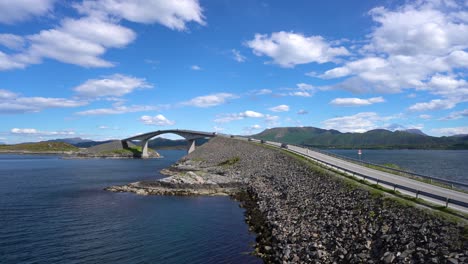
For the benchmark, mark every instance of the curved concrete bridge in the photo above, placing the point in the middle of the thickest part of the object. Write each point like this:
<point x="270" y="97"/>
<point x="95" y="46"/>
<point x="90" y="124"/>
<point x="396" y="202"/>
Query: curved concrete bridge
<point x="189" y="135"/>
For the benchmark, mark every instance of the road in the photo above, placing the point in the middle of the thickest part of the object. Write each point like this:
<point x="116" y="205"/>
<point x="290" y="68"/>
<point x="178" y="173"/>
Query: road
<point x="402" y="184"/>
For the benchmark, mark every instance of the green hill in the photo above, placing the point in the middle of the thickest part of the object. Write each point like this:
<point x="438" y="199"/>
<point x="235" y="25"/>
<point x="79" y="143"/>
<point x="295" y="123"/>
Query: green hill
<point x="39" y="147"/>
<point x="378" y="138"/>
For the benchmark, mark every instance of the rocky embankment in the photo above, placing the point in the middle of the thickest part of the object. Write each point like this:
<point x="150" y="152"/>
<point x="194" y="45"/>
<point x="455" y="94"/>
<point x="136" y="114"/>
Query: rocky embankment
<point x="303" y="214"/>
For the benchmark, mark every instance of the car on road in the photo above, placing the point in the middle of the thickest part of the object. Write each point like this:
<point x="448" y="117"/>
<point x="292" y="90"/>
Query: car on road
<point x="284" y="145"/>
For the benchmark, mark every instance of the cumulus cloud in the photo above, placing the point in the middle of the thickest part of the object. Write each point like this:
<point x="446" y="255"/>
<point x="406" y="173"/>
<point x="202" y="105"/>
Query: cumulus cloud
<point x="114" y="85"/>
<point x="356" y="101"/>
<point x="12" y="103"/>
<point x="360" y="122"/>
<point x="288" y="49"/>
<point x="210" y="100"/>
<point x="435" y="104"/>
<point x="11" y="41"/>
<point x="35" y="132"/>
<point x="225" y="118"/>
<point x="413" y="46"/>
<point x="238" y="56"/>
<point x="119" y="109"/>
<point x="158" y="120"/>
<point x="172" y="14"/>
<point x="250" y="129"/>
<point x="83" y="41"/>
<point x="280" y="108"/>
<point x="450" y="131"/>
<point x="272" y="120"/>
<point x="17" y="11"/>
<point x="301" y="90"/>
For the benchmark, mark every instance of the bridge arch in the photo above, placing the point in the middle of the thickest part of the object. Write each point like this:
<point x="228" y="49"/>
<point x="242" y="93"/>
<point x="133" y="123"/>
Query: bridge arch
<point x="189" y="135"/>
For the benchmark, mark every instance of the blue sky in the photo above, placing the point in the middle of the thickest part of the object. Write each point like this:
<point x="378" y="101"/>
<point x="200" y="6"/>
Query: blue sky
<point x="115" y="68"/>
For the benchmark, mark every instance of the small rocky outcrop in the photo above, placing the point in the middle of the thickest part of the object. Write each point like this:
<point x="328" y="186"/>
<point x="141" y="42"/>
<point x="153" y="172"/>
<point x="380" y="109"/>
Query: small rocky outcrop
<point x="115" y="149"/>
<point x="304" y="214"/>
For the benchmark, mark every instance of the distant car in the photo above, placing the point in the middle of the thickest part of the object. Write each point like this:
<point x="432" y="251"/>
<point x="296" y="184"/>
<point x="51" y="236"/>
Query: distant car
<point x="214" y="133"/>
<point x="262" y="141"/>
<point x="232" y="136"/>
<point x="250" y="139"/>
<point x="284" y="145"/>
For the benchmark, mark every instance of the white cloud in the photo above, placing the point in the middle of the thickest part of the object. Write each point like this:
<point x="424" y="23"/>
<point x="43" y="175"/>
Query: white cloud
<point x="225" y="118"/>
<point x="302" y="90"/>
<point x="356" y="101"/>
<point x="238" y="56"/>
<point x="272" y="120"/>
<point x="158" y="120"/>
<point x="302" y="112"/>
<point x="196" y="68"/>
<point x="35" y="132"/>
<point x="360" y="122"/>
<point x="456" y="115"/>
<point x="218" y="129"/>
<point x="289" y="49"/>
<point x="435" y="104"/>
<point x="12" y="41"/>
<point x="114" y="85"/>
<point x="425" y="117"/>
<point x="21" y="10"/>
<point x="85" y="40"/>
<point x="280" y="108"/>
<point x="262" y="92"/>
<point x="120" y="109"/>
<point x="210" y="100"/>
<point x="301" y="94"/>
<point x="249" y="130"/>
<point x="172" y="14"/>
<point x="253" y="114"/>
<point x="11" y="103"/>
<point x="420" y="45"/>
<point x="450" y="131"/>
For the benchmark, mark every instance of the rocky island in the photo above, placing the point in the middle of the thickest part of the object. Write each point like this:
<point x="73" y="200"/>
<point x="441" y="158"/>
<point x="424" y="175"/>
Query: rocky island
<point x="304" y="214"/>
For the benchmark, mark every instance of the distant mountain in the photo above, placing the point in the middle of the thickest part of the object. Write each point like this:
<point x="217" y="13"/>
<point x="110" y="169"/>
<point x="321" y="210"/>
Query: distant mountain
<point x="71" y="141"/>
<point x="39" y="147"/>
<point x="377" y="138"/>
<point x="415" y="131"/>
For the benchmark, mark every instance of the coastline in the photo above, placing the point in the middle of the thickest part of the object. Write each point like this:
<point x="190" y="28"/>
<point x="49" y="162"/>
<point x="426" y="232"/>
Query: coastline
<point x="304" y="214"/>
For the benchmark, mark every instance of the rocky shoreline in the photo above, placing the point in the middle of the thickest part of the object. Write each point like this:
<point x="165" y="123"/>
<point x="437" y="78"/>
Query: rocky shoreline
<point x="303" y="214"/>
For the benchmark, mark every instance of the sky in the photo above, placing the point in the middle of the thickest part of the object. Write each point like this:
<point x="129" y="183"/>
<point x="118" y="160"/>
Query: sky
<point x="110" y="69"/>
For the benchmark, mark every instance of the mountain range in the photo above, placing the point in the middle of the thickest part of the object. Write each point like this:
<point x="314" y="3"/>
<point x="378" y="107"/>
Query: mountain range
<point x="377" y="138"/>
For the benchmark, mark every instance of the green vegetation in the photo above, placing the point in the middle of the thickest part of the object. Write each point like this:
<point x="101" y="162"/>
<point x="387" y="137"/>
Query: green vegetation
<point x="374" y="139"/>
<point x="40" y="147"/>
<point x="229" y="162"/>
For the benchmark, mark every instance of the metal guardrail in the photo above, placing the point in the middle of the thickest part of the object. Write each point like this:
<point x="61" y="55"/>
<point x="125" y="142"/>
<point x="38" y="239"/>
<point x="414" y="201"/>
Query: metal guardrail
<point x="431" y="178"/>
<point x="444" y="199"/>
<point x="447" y="200"/>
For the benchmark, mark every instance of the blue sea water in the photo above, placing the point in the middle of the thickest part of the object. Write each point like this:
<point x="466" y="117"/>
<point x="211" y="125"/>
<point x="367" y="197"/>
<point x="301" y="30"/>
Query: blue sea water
<point x="55" y="210"/>
<point x="446" y="164"/>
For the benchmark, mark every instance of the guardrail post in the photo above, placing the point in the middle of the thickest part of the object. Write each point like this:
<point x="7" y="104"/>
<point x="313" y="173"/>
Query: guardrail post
<point x="394" y="187"/>
<point x="417" y="194"/>
<point x="447" y="202"/>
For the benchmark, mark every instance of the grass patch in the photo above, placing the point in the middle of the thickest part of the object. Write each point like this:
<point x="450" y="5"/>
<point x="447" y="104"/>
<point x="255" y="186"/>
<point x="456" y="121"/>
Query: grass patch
<point x="229" y="162"/>
<point x="39" y="147"/>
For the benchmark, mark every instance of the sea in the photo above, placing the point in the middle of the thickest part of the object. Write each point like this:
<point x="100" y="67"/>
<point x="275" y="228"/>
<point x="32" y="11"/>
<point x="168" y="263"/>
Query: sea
<point x="54" y="210"/>
<point x="446" y="164"/>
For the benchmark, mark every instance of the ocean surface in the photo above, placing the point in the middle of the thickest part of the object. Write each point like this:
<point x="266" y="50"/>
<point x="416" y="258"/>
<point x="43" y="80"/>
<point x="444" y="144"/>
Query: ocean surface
<point x="55" y="210"/>
<point x="447" y="164"/>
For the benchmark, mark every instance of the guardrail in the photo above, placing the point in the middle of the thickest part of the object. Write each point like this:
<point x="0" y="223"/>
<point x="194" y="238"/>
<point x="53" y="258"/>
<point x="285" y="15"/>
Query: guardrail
<point x="431" y="178"/>
<point x="444" y="199"/>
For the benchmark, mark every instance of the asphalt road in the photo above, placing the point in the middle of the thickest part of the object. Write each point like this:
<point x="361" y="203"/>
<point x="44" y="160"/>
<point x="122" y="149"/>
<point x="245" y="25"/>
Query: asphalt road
<point x="383" y="176"/>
